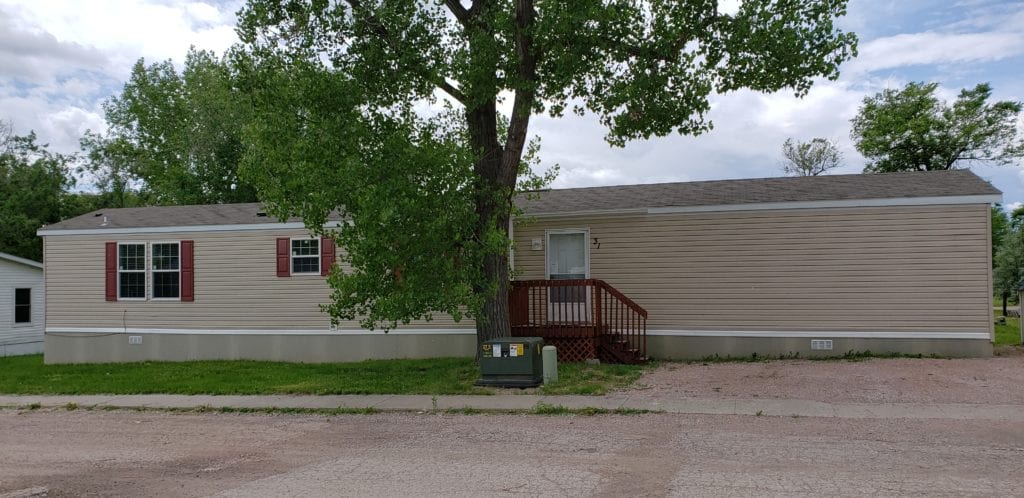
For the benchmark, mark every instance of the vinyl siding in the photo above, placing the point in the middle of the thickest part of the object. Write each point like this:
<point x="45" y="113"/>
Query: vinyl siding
<point x="236" y="287"/>
<point x="919" y="268"/>
<point x="18" y="276"/>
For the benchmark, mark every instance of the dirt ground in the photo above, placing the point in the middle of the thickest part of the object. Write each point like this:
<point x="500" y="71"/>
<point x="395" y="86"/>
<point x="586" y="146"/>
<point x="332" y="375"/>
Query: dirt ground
<point x="998" y="380"/>
<point x="125" y="453"/>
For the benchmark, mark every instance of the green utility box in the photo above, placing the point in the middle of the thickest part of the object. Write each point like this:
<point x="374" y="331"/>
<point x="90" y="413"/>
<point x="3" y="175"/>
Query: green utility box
<point x="511" y="362"/>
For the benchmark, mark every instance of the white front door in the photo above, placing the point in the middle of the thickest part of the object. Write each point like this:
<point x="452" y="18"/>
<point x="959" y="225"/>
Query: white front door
<point x="568" y="259"/>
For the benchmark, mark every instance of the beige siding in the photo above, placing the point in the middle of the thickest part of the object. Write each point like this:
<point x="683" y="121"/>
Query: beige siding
<point x="236" y="287"/>
<point x="20" y="338"/>
<point x="911" y="268"/>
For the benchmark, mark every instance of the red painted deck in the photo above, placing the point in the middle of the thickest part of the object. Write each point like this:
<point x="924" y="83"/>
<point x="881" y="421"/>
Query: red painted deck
<point x="584" y="319"/>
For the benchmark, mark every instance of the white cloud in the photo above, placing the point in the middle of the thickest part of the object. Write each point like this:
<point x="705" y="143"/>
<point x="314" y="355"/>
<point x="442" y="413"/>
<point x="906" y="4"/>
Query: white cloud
<point x="912" y="49"/>
<point x="60" y="58"/>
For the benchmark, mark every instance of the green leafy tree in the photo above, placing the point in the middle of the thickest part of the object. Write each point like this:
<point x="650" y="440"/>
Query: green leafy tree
<point x="33" y="184"/>
<point x="1000" y="229"/>
<point x="912" y="130"/>
<point x="1008" y="274"/>
<point x="810" y="158"/>
<point x="348" y="128"/>
<point x="173" y="138"/>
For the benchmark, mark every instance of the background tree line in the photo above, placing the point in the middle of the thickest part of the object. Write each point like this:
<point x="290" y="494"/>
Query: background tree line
<point x="315" y="111"/>
<point x="911" y="129"/>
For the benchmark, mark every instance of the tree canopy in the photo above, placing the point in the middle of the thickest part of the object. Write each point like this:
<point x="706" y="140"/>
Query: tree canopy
<point x="912" y="130"/>
<point x="173" y="138"/>
<point x="33" y="192"/>
<point x="352" y="120"/>
<point x="810" y="158"/>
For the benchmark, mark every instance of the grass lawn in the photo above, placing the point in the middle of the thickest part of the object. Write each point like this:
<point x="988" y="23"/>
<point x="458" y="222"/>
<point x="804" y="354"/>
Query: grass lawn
<point x="1008" y="334"/>
<point x="28" y="375"/>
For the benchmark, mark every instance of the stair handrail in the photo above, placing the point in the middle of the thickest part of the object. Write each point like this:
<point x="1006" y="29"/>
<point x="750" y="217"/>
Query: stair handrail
<point x="621" y="297"/>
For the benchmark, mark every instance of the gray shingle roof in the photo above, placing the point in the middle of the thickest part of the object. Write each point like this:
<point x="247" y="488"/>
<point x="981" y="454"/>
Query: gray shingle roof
<point x="761" y="190"/>
<point x="170" y="216"/>
<point x="687" y="194"/>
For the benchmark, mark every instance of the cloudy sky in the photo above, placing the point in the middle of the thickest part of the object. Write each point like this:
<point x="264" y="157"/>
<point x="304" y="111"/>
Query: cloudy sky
<point x="59" y="59"/>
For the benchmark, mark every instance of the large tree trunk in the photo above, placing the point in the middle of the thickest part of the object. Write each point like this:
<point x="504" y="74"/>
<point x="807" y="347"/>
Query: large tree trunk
<point x="494" y="192"/>
<point x="497" y="166"/>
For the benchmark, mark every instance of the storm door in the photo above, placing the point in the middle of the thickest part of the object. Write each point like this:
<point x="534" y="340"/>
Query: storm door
<point x="568" y="259"/>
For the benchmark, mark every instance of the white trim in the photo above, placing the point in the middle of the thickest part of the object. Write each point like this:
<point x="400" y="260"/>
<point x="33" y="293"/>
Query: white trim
<point x="325" y="331"/>
<point x="589" y="212"/>
<point x="849" y="203"/>
<point x="178" y="229"/>
<point x="567" y="231"/>
<point x="16" y="259"/>
<point x="15" y="324"/>
<point x="409" y="331"/>
<point x="821" y="334"/>
<point x="767" y="206"/>
<point x="144" y="271"/>
<point x="151" y="292"/>
<point x="291" y="258"/>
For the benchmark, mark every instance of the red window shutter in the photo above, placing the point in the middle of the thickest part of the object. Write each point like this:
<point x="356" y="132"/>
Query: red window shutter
<point x="187" y="271"/>
<point x="326" y="255"/>
<point x="111" y="271"/>
<point x="283" y="258"/>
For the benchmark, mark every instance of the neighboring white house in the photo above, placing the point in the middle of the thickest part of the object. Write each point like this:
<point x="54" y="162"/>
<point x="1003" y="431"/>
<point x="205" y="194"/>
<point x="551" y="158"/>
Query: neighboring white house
<point x="21" y="306"/>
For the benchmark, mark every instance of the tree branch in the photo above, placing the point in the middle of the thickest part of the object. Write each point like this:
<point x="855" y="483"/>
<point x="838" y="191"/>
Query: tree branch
<point x="526" y="94"/>
<point x="450" y="89"/>
<point x="460" y="12"/>
<point x="381" y="31"/>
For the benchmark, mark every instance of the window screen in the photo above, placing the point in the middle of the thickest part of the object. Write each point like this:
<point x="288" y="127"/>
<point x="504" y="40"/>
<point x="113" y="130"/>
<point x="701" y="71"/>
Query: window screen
<point x="306" y="256"/>
<point x="131" y="271"/>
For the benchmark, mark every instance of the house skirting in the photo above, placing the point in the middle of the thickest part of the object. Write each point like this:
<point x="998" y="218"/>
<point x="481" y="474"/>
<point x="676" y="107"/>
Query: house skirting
<point x="21" y="348"/>
<point x="295" y="346"/>
<point x="695" y="347"/>
<point x="97" y="345"/>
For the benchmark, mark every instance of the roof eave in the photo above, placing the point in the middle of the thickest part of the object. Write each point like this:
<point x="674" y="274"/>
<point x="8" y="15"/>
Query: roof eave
<point x="766" y="206"/>
<point x="20" y="260"/>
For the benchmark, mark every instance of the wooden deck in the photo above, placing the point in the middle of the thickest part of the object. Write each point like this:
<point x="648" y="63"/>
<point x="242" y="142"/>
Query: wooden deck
<point x="584" y="319"/>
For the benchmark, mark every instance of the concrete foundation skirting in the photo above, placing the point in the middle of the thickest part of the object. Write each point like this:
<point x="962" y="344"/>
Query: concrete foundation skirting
<point x="343" y="347"/>
<point x="22" y="348"/>
<point x="314" y="348"/>
<point x="695" y="348"/>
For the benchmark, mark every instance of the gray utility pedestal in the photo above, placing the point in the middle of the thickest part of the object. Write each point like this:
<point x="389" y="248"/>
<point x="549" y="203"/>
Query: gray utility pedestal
<point x="511" y="362"/>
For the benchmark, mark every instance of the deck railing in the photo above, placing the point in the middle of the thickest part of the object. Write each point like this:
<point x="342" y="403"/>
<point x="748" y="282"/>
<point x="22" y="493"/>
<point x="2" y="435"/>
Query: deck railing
<point x="585" y="309"/>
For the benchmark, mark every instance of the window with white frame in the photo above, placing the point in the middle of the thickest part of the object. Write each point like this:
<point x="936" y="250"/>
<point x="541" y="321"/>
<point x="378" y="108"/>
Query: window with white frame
<point x="131" y="271"/>
<point x="22" y="305"/>
<point x="305" y="256"/>
<point x="166" y="270"/>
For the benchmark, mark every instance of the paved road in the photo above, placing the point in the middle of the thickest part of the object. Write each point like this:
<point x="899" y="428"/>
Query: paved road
<point x="73" y="453"/>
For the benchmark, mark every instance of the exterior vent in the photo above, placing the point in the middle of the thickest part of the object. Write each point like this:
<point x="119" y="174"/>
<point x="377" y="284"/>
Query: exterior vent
<point x="821" y="344"/>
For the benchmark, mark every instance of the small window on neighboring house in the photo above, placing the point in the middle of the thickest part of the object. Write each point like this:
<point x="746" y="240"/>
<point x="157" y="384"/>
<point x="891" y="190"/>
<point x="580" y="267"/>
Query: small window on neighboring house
<point x="305" y="256"/>
<point x="166" y="270"/>
<point x="131" y="271"/>
<point x="22" y="305"/>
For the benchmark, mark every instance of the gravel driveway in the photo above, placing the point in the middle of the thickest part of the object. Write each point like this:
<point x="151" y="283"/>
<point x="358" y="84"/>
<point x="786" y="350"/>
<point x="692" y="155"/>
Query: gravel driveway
<point x="60" y="453"/>
<point x="54" y="452"/>
<point x="998" y="380"/>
